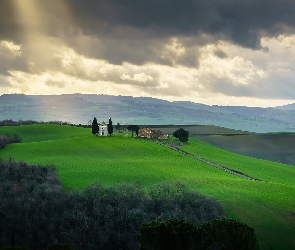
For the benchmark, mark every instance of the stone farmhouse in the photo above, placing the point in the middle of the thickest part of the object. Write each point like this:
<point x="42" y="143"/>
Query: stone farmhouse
<point x="151" y="133"/>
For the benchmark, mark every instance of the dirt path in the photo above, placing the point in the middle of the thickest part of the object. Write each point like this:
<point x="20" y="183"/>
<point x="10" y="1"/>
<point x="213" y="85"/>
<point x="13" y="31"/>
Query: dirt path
<point x="228" y="170"/>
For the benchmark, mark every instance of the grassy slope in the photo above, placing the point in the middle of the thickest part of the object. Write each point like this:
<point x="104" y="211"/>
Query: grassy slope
<point x="82" y="159"/>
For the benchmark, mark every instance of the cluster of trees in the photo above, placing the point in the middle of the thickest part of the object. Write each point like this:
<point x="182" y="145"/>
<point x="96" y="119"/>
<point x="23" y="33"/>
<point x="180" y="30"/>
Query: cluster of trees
<point x="95" y="126"/>
<point x="35" y="212"/>
<point x="8" y="139"/>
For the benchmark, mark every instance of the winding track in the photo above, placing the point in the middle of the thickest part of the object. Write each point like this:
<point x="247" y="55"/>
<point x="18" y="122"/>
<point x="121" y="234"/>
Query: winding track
<point x="228" y="170"/>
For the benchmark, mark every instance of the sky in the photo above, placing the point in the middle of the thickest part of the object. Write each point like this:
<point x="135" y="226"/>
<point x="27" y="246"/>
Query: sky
<point x="224" y="52"/>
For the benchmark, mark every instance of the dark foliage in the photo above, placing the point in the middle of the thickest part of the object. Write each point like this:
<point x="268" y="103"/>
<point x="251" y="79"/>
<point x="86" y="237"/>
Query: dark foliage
<point x="172" y="234"/>
<point x="8" y="139"/>
<point x="181" y="134"/>
<point x="175" y="234"/>
<point x="118" y="126"/>
<point x="12" y="248"/>
<point x="133" y="128"/>
<point x="59" y="246"/>
<point x="30" y="122"/>
<point x="227" y="234"/>
<point x="110" y="127"/>
<point x="94" y="126"/>
<point x="38" y="213"/>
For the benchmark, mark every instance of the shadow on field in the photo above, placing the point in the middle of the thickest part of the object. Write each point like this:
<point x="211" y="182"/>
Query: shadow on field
<point x="279" y="147"/>
<point x="272" y="147"/>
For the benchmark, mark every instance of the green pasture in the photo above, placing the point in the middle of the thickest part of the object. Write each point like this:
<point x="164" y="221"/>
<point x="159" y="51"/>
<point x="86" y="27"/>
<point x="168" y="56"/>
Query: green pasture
<point x="82" y="158"/>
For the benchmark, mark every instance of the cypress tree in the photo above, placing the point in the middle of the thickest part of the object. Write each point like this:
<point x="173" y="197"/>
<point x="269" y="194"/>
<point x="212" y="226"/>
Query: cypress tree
<point x="110" y="127"/>
<point x="94" y="126"/>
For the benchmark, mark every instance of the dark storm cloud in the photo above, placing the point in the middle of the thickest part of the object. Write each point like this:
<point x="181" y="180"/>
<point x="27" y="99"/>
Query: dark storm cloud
<point x="138" y="31"/>
<point x="234" y="20"/>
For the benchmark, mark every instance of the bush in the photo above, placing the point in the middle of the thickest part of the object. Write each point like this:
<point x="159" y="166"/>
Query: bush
<point x="59" y="246"/>
<point x="172" y="234"/>
<point x="8" y="139"/>
<point x="227" y="234"/>
<point x="175" y="234"/>
<point x="12" y="248"/>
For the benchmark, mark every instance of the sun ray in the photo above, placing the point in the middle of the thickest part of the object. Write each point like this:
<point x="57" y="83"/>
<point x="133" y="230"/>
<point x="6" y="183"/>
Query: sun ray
<point x="29" y="16"/>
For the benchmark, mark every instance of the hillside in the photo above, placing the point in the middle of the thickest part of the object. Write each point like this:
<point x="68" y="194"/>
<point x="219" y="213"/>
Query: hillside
<point x="80" y="108"/>
<point x="82" y="158"/>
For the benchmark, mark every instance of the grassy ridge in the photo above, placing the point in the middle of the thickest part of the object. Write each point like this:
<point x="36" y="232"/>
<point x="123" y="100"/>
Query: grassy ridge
<point x="82" y="158"/>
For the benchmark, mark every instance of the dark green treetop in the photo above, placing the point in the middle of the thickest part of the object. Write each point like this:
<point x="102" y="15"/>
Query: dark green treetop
<point x="110" y="127"/>
<point x="181" y="134"/>
<point x="94" y="126"/>
<point x="133" y="128"/>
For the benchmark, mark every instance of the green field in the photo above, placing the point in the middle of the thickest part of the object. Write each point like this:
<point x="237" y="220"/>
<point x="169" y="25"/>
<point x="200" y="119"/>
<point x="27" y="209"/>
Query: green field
<point x="82" y="158"/>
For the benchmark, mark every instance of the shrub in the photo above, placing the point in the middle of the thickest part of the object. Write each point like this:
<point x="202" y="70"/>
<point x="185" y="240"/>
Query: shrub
<point x="175" y="234"/>
<point x="59" y="246"/>
<point x="227" y="234"/>
<point x="8" y="139"/>
<point x="172" y="234"/>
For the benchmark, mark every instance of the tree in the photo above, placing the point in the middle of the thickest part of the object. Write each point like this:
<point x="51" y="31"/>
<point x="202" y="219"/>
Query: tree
<point x="181" y="134"/>
<point x="133" y="128"/>
<point x="227" y="234"/>
<point x="118" y="126"/>
<point x="94" y="126"/>
<point x="110" y="127"/>
<point x="173" y="234"/>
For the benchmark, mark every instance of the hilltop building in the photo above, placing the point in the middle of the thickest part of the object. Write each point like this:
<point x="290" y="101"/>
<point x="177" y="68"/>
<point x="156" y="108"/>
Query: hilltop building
<point x="102" y="129"/>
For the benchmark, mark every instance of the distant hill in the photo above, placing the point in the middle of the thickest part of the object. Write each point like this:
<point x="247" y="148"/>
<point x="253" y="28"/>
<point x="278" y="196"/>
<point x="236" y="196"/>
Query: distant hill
<point x="286" y="107"/>
<point x="81" y="108"/>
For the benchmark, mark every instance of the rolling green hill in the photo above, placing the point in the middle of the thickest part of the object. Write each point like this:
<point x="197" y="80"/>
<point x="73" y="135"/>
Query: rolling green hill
<point x="82" y="158"/>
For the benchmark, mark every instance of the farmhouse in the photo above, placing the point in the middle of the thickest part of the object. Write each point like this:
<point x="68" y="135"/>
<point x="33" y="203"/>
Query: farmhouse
<point x="151" y="133"/>
<point x="102" y="129"/>
<point x="146" y="133"/>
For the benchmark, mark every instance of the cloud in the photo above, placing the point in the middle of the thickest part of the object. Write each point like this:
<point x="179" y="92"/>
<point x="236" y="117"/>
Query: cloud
<point x="239" y="21"/>
<point x="192" y="49"/>
<point x="11" y="58"/>
<point x="140" y="78"/>
<point x="59" y="84"/>
<point x="4" y="83"/>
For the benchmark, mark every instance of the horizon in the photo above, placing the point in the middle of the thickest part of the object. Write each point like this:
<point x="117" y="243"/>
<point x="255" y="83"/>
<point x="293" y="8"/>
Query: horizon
<point x="212" y="105"/>
<point x="218" y="53"/>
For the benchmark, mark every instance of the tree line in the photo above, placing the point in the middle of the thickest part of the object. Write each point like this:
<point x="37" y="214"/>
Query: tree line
<point x="30" y="122"/>
<point x="8" y="139"/>
<point x="36" y="212"/>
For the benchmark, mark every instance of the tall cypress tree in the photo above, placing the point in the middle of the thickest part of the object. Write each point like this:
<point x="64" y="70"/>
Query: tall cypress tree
<point x="110" y="127"/>
<point x="94" y="126"/>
